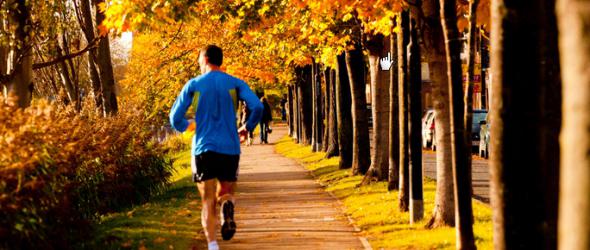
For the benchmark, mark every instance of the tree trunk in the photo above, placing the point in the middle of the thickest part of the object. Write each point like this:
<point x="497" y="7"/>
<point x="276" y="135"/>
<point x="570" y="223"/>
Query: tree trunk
<point x="444" y="209"/>
<point x="415" y="118"/>
<point x="526" y="109"/>
<point x="344" y="113"/>
<point x="87" y="26"/>
<point x="404" y="171"/>
<point x="290" y="110"/>
<point x="109" y="97"/>
<point x="21" y="85"/>
<point x="326" y="105"/>
<point x="380" y="99"/>
<point x="4" y="50"/>
<point x="460" y="150"/>
<point x="361" y="151"/>
<point x="393" y="159"/>
<point x="66" y="72"/>
<point x="333" y="146"/>
<point x="296" y="114"/>
<point x="314" y="108"/>
<point x="317" y="135"/>
<point x="574" y="202"/>
<point x="468" y="112"/>
<point x="305" y="104"/>
<point x="298" y="109"/>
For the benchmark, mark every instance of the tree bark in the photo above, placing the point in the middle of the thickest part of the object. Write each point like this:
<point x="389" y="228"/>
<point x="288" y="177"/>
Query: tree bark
<point x="4" y="55"/>
<point x="290" y="110"/>
<point x="415" y="118"/>
<point x="21" y="85"/>
<point x="404" y="171"/>
<point x="317" y="121"/>
<point x="444" y="209"/>
<point x="460" y="150"/>
<point x="333" y="146"/>
<point x="344" y="113"/>
<point x="526" y="109"/>
<point x="109" y="97"/>
<point x="468" y="112"/>
<point x="361" y="151"/>
<point x="393" y="159"/>
<point x="296" y="109"/>
<point x="574" y="202"/>
<point x="380" y="98"/>
<point x="326" y="108"/>
<point x="86" y="24"/>
<point x="305" y="104"/>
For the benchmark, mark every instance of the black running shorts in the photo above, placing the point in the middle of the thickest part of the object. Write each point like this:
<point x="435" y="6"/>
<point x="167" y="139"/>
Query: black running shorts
<point x="210" y="165"/>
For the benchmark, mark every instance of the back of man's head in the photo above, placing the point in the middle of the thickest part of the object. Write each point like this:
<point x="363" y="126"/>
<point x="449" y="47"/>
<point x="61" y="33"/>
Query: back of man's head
<point x="214" y="54"/>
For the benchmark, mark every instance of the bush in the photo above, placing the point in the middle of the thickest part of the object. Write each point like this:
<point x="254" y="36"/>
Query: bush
<point x="60" y="170"/>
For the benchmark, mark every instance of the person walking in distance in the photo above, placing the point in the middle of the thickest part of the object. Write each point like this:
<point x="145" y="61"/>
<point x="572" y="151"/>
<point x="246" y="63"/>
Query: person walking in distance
<point x="215" y="146"/>
<point x="265" y="121"/>
<point x="243" y="120"/>
<point x="284" y="108"/>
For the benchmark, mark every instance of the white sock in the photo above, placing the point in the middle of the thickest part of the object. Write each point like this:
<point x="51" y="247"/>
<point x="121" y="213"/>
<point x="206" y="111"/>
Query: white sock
<point x="213" y="245"/>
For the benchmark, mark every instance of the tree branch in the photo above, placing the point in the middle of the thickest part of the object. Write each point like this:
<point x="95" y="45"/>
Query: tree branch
<point x="90" y="46"/>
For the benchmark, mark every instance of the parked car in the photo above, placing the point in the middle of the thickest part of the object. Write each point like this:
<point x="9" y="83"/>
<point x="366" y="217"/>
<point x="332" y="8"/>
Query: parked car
<point x="428" y="129"/>
<point x="484" y="139"/>
<point x="479" y="115"/>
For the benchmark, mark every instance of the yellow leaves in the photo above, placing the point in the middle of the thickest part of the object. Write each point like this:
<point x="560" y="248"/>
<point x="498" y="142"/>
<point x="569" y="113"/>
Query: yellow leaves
<point x="263" y="10"/>
<point x="347" y="17"/>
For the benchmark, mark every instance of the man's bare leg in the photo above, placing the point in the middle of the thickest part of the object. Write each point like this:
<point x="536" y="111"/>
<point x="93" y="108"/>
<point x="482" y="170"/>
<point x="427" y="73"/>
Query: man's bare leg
<point x="207" y="189"/>
<point x="225" y="191"/>
<point x="226" y="201"/>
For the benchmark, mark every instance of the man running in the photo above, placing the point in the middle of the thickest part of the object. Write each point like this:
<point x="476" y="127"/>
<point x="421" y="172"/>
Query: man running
<point x="215" y="146"/>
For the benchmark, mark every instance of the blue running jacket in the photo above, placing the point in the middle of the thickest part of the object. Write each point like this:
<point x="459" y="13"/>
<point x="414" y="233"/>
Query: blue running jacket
<point x="215" y="96"/>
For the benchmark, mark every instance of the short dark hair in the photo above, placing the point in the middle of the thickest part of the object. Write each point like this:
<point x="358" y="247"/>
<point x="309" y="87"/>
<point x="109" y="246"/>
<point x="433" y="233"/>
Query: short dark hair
<point x="214" y="54"/>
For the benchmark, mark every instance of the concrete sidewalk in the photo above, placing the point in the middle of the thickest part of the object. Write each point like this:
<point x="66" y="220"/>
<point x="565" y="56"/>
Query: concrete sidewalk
<point x="280" y="206"/>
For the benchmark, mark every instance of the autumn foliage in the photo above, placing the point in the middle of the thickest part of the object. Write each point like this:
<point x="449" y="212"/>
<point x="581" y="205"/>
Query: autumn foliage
<point x="60" y="170"/>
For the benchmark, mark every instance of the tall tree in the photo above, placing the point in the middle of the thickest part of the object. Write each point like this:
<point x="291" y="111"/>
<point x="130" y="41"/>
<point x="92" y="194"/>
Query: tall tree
<point x="4" y="50"/>
<point x="21" y="80"/>
<point x="304" y="104"/>
<point x="290" y="110"/>
<point x="107" y="78"/>
<point x="404" y="171"/>
<point x="296" y="108"/>
<point x="85" y="20"/>
<point x="344" y="112"/>
<point x="379" y="168"/>
<point x="415" y="125"/>
<point x="460" y="150"/>
<point x="361" y="151"/>
<point x="574" y="201"/>
<point x="317" y="121"/>
<point x="326" y="107"/>
<point x="332" y="142"/>
<point x="434" y="50"/>
<point x="468" y="100"/>
<point x="393" y="159"/>
<point x="525" y="108"/>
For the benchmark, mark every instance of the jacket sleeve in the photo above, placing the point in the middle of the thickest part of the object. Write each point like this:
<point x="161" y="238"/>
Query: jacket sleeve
<point x="181" y="105"/>
<point x="254" y="105"/>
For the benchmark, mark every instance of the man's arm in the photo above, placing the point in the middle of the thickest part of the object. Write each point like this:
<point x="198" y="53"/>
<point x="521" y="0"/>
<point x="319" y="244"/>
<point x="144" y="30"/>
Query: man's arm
<point x="254" y="105"/>
<point x="183" y="102"/>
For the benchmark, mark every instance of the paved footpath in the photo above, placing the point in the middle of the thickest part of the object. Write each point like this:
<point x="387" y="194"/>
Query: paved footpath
<point x="280" y="206"/>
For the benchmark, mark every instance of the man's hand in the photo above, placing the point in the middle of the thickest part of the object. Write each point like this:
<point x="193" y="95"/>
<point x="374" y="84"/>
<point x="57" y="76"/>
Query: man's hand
<point x="191" y="126"/>
<point x="243" y="133"/>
